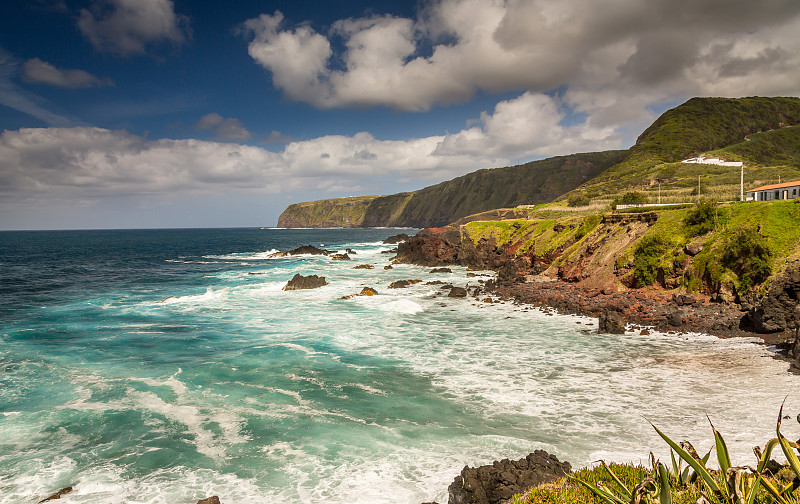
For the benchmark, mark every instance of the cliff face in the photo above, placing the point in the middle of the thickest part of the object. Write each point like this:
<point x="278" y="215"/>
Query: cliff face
<point x="339" y="212"/>
<point x="480" y="191"/>
<point x="614" y="253"/>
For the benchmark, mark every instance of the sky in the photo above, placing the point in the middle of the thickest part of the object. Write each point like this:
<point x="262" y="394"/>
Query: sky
<point x="200" y="113"/>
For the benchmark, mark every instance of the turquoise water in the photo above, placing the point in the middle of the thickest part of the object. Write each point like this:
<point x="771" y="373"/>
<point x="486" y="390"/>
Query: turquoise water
<point x="166" y="366"/>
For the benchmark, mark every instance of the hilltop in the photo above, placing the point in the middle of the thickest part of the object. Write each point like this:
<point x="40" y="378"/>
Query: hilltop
<point x="764" y="133"/>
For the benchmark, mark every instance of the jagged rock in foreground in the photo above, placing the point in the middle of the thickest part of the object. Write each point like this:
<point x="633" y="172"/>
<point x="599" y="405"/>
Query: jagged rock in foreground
<point x="498" y="482"/>
<point x="305" y="282"/>
<point x="210" y="500"/>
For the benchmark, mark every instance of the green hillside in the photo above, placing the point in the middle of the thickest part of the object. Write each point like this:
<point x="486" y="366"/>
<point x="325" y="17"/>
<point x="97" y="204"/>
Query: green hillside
<point x="764" y="133"/>
<point x="530" y="183"/>
<point x="715" y="127"/>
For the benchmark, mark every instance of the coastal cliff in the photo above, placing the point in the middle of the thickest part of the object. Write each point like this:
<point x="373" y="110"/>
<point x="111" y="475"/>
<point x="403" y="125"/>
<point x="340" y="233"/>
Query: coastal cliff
<point x="530" y="183"/>
<point x="739" y="275"/>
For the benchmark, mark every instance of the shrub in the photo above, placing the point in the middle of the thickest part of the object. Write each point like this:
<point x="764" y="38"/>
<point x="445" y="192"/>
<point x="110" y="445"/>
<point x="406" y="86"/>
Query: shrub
<point x="646" y="259"/>
<point x="702" y="218"/>
<point x="629" y="198"/>
<point x="578" y="200"/>
<point x="747" y="254"/>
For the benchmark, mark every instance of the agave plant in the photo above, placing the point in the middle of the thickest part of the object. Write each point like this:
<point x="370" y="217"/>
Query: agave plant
<point x="729" y="485"/>
<point x="655" y="485"/>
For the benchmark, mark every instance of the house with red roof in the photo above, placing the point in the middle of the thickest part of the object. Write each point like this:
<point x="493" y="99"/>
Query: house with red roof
<point x="772" y="192"/>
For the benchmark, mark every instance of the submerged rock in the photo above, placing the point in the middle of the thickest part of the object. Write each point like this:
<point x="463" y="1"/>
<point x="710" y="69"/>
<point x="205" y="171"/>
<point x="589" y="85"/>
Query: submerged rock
<point x="457" y="292"/>
<point x="363" y="266"/>
<point x="610" y="322"/>
<point x="366" y="291"/>
<point x="305" y="282"/>
<point x="441" y="270"/>
<point x="498" y="482"/>
<point x="58" y="494"/>
<point x="402" y="284"/>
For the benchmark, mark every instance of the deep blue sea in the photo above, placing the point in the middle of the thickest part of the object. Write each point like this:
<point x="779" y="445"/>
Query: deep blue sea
<point x="165" y="366"/>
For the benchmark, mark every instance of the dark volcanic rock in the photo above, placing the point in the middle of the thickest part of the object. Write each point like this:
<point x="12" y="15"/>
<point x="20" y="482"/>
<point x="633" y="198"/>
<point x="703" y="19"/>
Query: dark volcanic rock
<point x="305" y="249"/>
<point x="340" y="257"/>
<point x="58" y="494"/>
<point x="210" y="500"/>
<point x="775" y="311"/>
<point x="396" y="239"/>
<point x="305" y="282"/>
<point x="431" y="247"/>
<point x="402" y="284"/>
<point x="388" y="266"/>
<point x="457" y="292"/>
<point x="610" y="322"/>
<point x="363" y="266"/>
<point x="492" y="484"/>
<point x="366" y="291"/>
<point x="441" y="270"/>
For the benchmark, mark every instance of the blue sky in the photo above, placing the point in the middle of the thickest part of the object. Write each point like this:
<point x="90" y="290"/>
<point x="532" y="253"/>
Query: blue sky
<point x="160" y="113"/>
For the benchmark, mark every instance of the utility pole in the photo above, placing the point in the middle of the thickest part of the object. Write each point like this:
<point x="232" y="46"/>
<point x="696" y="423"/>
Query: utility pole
<point x="698" y="188"/>
<point x="741" y="185"/>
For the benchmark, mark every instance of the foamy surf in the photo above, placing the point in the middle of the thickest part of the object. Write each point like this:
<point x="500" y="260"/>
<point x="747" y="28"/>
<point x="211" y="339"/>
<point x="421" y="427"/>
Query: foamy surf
<point x="233" y="387"/>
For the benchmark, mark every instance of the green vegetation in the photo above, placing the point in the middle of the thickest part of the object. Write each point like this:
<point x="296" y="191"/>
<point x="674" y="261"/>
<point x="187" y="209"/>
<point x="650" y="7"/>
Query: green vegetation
<point x="780" y="147"/>
<point x="747" y="254"/>
<point x="578" y="200"/>
<point x="651" y="168"/>
<point x="702" y="218"/>
<point x="647" y="258"/>
<point x="716" y="127"/>
<point x="623" y="484"/>
<point x="530" y="183"/>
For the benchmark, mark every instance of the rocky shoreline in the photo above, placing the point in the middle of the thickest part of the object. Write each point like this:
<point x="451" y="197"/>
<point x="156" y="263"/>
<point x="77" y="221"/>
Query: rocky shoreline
<point x="771" y="317"/>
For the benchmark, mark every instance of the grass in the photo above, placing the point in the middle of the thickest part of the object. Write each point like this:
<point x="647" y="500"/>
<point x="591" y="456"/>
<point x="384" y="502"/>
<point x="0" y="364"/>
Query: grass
<point x="684" y="479"/>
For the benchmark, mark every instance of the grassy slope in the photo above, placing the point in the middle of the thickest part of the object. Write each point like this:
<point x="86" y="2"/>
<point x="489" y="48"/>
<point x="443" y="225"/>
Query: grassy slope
<point x="706" y="125"/>
<point x="531" y="183"/>
<point x="717" y="126"/>
<point x="339" y="212"/>
<point x="534" y="182"/>
<point x="566" y="239"/>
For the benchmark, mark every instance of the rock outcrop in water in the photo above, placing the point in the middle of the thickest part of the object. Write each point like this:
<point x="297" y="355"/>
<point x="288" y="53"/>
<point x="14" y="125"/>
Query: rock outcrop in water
<point x="302" y="250"/>
<point x="498" y="482"/>
<point x="305" y="282"/>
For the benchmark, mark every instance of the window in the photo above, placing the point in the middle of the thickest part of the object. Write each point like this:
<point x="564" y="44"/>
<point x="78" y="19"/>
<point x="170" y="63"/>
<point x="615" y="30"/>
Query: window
<point x="777" y="195"/>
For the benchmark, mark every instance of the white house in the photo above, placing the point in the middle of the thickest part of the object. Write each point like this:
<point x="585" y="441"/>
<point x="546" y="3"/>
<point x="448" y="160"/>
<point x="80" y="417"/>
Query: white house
<point x="711" y="161"/>
<point x="771" y="192"/>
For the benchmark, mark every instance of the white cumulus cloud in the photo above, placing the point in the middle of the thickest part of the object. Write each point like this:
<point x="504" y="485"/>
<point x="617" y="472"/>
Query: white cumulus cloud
<point x="609" y="58"/>
<point x="127" y="26"/>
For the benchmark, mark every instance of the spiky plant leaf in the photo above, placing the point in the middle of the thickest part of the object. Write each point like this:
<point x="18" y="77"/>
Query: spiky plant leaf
<point x="664" y="494"/>
<point x="604" y="495"/>
<point x="697" y="465"/>
<point x="723" y="456"/>
<point x="623" y="490"/>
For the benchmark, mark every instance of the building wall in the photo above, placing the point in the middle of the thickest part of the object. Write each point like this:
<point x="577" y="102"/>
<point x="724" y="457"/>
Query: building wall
<point x="775" y="194"/>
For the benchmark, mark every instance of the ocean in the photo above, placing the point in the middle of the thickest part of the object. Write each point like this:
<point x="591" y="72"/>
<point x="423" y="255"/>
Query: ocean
<point x="166" y="366"/>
